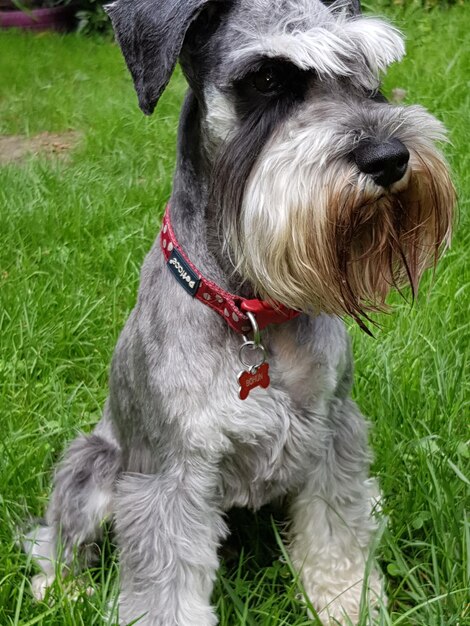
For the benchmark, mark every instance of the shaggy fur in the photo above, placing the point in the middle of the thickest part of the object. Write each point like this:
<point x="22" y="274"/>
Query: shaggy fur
<point x="271" y="197"/>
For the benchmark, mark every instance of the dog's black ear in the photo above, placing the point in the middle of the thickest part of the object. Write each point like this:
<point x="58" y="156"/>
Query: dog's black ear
<point x="151" y="34"/>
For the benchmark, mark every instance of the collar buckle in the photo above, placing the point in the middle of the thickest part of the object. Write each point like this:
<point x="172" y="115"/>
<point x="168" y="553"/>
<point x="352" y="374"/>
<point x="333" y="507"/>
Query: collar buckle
<point x="267" y="313"/>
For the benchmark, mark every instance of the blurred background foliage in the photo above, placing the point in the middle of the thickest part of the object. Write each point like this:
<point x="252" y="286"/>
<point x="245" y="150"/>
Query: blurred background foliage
<point x="92" y="18"/>
<point x="375" y="5"/>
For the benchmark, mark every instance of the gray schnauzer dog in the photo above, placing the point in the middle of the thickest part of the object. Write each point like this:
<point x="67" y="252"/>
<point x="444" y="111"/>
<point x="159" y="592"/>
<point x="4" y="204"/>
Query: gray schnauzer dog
<point x="300" y="189"/>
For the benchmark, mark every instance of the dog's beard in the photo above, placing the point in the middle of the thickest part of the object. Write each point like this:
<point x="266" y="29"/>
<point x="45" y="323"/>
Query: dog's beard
<point x="325" y="238"/>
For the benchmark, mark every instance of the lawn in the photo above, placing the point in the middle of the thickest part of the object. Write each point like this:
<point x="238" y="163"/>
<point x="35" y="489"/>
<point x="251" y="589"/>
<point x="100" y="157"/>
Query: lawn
<point x="76" y="221"/>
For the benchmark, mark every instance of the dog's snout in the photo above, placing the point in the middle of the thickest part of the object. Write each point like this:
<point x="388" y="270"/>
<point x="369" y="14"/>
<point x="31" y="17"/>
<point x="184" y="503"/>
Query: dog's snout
<point x="386" y="162"/>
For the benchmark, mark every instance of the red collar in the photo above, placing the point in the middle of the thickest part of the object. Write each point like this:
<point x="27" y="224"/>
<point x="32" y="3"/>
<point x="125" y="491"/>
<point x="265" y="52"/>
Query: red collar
<point x="232" y="308"/>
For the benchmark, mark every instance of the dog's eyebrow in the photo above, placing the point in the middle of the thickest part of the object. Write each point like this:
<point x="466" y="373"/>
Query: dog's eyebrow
<point x="256" y="62"/>
<point x="360" y="48"/>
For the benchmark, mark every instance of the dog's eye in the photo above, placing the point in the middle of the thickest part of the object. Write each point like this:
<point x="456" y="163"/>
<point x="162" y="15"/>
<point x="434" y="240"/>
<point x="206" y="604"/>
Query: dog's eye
<point x="267" y="80"/>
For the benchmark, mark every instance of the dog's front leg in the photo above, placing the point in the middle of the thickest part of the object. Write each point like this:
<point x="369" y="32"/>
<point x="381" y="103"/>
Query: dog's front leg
<point x="332" y="526"/>
<point x="168" y="529"/>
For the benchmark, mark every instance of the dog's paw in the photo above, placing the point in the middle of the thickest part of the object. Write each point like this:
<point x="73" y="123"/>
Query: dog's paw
<point x="339" y="606"/>
<point x="40" y="584"/>
<point x="74" y="588"/>
<point x="341" y="616"/>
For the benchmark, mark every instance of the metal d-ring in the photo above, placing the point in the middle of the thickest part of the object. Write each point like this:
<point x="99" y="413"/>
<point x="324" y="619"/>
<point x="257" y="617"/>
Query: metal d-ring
<point x="252" y="344"/>
<point x="254" y="328"/>
<point x="252" y="367"/>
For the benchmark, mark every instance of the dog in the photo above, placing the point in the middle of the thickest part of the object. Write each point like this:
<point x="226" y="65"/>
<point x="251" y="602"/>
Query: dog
<point x="300" y="196"/>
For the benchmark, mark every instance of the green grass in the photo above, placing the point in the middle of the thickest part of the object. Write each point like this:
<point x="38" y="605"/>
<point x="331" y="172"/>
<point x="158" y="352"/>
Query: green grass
<point x="73" y="235"/>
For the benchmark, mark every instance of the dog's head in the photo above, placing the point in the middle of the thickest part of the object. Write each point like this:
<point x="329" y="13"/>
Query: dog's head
<point x="329" y="195"/>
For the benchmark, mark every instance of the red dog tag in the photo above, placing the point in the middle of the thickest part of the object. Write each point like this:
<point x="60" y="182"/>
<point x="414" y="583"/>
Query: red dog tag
<point x="249" y="380"/>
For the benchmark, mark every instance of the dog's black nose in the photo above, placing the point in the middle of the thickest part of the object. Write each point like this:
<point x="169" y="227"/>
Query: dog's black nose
<point x="385" y="162"/>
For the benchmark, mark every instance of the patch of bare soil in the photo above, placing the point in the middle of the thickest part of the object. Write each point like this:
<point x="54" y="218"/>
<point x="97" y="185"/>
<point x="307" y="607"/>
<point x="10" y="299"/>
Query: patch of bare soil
<point x="398" y="95"/>
<point x="14" y="148"/>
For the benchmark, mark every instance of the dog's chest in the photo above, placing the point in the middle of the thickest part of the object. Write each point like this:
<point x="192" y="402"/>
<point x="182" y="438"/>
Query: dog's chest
<point x="264" y="445"/>
<point x="276" y="434"/>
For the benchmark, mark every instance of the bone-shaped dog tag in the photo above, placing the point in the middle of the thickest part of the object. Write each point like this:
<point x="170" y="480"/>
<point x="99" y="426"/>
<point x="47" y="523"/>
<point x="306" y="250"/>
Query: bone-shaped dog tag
<point x="256" y="377"/>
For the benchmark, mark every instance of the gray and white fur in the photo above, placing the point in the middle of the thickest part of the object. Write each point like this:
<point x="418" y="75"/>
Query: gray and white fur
<point x="277" y="193"/>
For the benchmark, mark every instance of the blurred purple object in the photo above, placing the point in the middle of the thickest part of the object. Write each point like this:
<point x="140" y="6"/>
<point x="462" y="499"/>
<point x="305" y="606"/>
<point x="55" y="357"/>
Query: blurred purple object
<point x="54" y="18"/>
